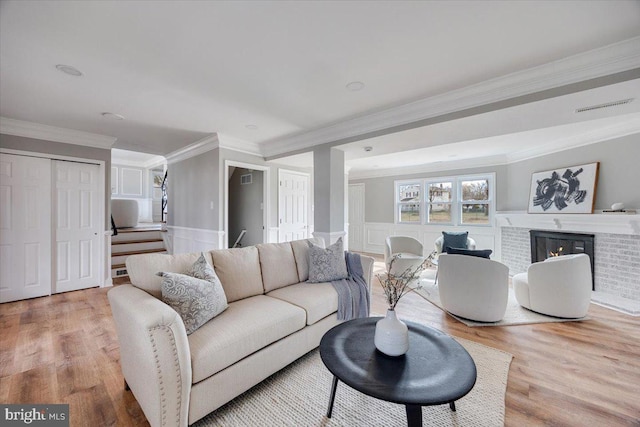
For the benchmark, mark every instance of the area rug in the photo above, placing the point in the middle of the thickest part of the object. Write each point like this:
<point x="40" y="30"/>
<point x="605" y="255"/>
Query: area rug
<point x="298" y="396"/>
<point x="515" y="315"/>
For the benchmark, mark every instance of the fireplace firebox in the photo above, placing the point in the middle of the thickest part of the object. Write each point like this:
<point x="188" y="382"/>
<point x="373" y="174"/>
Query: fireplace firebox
<point x="545" y="244"/>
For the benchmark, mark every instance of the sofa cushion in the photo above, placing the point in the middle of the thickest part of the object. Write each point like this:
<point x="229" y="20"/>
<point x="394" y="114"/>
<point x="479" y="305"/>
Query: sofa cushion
<point x="245" y="327"/>
<point x="239" y="272"/>
<point x="319" y="300"/>
<point x="327" y="264"/>
<point x="278" y="265"/>
<point x="142" y="269"/>
<point x="196" y="300"/>
<point x="301" y="253"/>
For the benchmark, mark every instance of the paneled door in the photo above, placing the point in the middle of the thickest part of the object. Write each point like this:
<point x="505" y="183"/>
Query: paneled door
<point x="25" y="227"/>
<point x="356" y="217"/>
<point x="293" y="206"/>
<point x="77" y="229"/>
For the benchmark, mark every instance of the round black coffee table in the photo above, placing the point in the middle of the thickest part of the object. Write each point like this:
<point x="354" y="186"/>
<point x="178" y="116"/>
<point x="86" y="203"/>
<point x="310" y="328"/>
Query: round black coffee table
<point x="436" y="370"/>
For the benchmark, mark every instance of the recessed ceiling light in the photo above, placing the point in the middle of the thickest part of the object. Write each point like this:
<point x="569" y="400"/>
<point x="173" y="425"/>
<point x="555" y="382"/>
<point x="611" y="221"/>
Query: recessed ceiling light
<point x="112" y="116"/>
<point x="355" y="86"/>
<point x="252" y="127"/>
<point x="68" y="69"/>
<point x="368" y="148"/>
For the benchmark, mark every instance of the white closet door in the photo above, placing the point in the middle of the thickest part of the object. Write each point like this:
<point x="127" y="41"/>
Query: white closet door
<point x="293" y="204"/>
<point x="25" y="227"/>
<point x="77" y="226"/>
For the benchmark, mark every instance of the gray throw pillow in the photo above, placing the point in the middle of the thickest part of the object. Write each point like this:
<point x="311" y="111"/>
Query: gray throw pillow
<point x="202" y="270"/>
<point x="197" y="301"/>
<point x="454" y="240"/>
<point x="327" y="264"/>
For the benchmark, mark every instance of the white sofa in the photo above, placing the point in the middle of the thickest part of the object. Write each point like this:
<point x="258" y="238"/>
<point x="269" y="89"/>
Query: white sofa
<point x="273" y="318"/>
<point x="558" y="286"/>
<point x="472" y="287"/>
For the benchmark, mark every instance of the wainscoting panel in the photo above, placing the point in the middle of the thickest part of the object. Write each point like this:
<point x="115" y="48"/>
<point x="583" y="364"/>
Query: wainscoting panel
<point x="377" y="232"/>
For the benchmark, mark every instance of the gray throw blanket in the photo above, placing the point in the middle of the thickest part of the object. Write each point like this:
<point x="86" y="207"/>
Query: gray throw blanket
<point x="353" y="292"/>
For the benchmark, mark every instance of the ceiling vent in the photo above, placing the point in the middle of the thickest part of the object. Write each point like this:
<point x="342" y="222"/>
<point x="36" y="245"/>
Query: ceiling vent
<point x="605" y="105"/>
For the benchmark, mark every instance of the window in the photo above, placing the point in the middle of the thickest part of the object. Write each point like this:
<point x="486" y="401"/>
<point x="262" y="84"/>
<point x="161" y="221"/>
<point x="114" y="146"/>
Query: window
<point x="474" y="203"/>
<point x="460" y="200"/>
<point x="439" y="199"/>
<point x="408" y="202"/>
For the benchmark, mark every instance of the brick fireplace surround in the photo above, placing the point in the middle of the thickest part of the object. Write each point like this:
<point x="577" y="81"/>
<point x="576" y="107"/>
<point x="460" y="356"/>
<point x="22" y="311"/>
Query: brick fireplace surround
<point x="617" y="250"/>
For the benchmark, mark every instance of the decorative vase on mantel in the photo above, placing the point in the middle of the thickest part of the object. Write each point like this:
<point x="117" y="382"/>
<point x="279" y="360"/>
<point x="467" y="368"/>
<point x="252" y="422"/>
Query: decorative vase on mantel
<point x="392" y="335"/>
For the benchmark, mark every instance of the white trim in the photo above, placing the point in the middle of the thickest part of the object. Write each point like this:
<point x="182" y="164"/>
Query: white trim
<point x="201" y="146"/>
<point x="592" y="223"/>
<point x="377" y="232"/>
<point x="239" y="145"/>
<point x="266" y="186"/>
<point x="456" y="199"/>
<point x="616" y="131"/>
<point x="611" y="59"/>
<point x="52" y="133"/>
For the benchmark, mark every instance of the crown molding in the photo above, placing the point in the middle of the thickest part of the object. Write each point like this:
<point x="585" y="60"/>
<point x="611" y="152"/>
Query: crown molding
<point x="239" y="145"/>
<point x="605" y="61"/>
<point x="599" y="135"/>
<point x="51" y="133"/>
<point x="630" y="127"/>
<point x="432" y="167"/>
<point x="208" y="143"/>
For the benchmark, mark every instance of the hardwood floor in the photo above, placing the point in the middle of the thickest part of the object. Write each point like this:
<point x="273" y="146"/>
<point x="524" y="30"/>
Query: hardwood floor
<point x="64" y="349"/>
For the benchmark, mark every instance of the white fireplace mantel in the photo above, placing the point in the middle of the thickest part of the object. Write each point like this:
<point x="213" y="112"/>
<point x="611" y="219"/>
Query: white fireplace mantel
<point x="586" y="223"/>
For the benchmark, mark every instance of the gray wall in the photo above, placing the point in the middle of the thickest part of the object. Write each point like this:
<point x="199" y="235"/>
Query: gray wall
<point x="192" y="185"/>
<point x="195" y="182"/>
<point x="245" y="210"/>
<point x="380" y="192"/>
<point x="70" y="150"/>
<point x="617" y="182"/>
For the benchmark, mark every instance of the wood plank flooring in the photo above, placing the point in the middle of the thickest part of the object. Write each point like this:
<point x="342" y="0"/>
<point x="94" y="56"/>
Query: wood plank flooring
<point x="64" y="349"/>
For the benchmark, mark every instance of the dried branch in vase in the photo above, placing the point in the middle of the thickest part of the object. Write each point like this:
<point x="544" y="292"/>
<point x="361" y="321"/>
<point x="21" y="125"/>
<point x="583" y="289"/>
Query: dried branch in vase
<point x="396" y="286"/>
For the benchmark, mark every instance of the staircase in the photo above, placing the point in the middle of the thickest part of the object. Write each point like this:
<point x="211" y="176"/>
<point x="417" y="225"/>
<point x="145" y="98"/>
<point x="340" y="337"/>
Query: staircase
<point x="132" y="241"/>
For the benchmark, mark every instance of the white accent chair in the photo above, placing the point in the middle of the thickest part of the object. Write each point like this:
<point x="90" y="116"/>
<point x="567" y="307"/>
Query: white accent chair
<point x="410" y="251"/>
<point x="124" y="212"/>
<point x="558" y="286"/>
<point x="472" y="287"/>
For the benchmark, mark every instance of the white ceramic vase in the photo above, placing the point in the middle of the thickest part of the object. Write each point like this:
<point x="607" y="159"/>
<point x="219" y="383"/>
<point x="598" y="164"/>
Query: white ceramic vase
<point x="392" y="335"/>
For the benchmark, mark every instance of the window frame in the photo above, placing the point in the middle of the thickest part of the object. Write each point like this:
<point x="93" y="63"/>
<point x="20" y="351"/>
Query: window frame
<point x="397" y="203"/>
<point x="456" y="199"/>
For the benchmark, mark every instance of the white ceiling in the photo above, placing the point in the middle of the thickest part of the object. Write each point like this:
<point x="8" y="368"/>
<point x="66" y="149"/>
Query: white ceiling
<point x="181" y="71"/>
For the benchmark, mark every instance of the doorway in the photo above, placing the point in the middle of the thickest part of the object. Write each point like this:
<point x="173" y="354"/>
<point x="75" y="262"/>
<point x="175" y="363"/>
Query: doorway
<point x="246" y="203"/>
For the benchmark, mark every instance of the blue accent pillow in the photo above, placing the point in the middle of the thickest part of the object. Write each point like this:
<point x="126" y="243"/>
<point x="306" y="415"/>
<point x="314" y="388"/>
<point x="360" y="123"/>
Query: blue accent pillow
<point x="454" y="240"/>
<point x="482" y="253"/>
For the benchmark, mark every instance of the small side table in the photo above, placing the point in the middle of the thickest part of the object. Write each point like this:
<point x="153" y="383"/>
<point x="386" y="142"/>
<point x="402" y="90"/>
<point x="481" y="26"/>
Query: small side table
<point x="435" y="371"/>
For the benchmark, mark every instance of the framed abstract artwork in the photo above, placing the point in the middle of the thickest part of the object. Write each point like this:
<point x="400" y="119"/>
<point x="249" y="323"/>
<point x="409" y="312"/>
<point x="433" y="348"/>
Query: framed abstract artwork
<point x="564" y="190"/>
